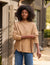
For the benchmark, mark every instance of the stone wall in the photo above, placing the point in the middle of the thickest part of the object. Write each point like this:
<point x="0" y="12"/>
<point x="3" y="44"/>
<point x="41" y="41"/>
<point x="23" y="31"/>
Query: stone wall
<point x="5" y="35"/>
<point x="46" y="42"/>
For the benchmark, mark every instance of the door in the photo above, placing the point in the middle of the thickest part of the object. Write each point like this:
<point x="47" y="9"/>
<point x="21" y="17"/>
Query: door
<point x="0" y="28"/>
<point x="0" y="32"/>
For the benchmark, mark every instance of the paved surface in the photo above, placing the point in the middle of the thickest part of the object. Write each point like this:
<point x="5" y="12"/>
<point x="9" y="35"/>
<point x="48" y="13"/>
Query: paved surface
<point x="45" y="58"/>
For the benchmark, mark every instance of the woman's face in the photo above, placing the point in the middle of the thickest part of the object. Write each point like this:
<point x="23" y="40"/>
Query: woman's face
<point x="24" y="14"/>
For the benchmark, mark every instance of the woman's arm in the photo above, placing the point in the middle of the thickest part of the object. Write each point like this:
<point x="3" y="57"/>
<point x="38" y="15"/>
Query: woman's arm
<point x="15" y="33"/>
<point x="28" y="36"/>
<point x="36" y="40"/>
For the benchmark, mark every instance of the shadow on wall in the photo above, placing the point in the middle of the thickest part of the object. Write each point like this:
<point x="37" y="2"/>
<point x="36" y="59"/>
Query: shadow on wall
<point x="25" y="1"/>
<point x="7" y="51"/>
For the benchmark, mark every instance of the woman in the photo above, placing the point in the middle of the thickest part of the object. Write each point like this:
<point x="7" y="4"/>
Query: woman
<point x="26" y="34"/>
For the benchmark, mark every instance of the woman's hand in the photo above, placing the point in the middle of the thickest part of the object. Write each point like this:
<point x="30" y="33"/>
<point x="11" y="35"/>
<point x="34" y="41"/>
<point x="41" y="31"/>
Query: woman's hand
<point x="28" y="36"/>
<point x="38" y="54"/>
<point x="38" y="50"/>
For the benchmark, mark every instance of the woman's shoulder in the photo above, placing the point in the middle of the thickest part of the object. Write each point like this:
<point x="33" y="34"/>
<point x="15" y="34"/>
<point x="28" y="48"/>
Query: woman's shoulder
<point x="33" y="23"/>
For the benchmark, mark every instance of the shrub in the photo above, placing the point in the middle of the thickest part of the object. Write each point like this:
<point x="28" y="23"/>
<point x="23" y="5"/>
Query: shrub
<point x="47" y="33"/>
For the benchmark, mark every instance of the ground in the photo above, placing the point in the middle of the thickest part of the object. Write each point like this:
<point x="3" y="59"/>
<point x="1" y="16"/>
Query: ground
<point x="45" y="58"/>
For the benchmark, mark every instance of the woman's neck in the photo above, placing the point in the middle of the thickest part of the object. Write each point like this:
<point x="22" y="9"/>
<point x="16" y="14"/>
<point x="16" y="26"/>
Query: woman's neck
<point x="25" y="21"/>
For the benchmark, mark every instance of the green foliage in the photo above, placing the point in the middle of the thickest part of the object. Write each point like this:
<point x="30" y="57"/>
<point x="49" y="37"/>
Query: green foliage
<point x="48" y="14"/>
<point x="0" y="60"/>
<point x="47" y="33"/>
<point x="48" y="2"/>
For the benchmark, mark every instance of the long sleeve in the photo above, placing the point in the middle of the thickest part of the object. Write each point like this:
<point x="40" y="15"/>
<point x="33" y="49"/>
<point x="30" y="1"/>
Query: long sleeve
<point x="35" y="32"/>
<point x="16" y="36"/>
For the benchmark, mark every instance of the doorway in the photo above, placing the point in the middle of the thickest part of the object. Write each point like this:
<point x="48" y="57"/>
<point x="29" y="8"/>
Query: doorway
<point x="1" y="29"/>
<point x="0" y="26"/>
<point x="0" y="32"/>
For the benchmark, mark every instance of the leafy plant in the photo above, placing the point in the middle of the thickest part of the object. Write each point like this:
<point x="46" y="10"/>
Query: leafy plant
<point x="47" y="33"/>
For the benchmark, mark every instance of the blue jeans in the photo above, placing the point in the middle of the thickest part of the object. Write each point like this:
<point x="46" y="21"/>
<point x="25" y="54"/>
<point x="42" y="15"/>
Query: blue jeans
<point x="28" y="57"/>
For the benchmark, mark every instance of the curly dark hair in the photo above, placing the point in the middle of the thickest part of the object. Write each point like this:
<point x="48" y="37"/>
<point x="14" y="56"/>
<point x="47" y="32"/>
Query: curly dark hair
<point x="30" y="10"/>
